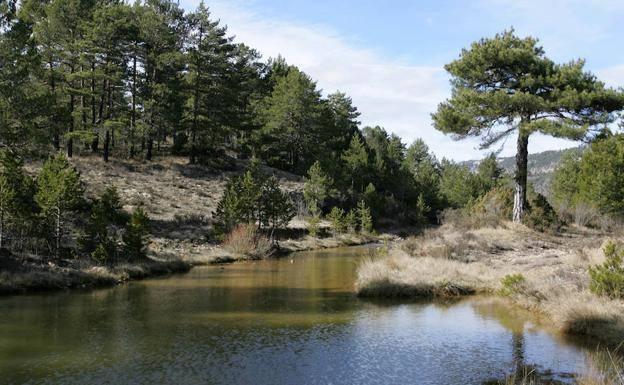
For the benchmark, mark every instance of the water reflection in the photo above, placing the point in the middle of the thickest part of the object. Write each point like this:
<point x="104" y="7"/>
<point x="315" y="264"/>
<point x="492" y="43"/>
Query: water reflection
<point x="271" y="322"/>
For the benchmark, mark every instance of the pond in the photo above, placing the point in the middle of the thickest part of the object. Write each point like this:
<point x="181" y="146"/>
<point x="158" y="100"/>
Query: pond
<point x="288" y="321"/>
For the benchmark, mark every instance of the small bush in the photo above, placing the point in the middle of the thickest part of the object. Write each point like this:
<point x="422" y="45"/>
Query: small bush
<point x="313" y="225"/>
<point x="511" y="284"/>
<point x="351" y="221"/>
<point x="365" y="218"/>
<point x="490" y="210"/>
<point x="337" y="219"/>
<point x="246" y="240"/>
<point x="136" y="236"/>
<point x="541" y="216"/>
<point x="608" y="279"/>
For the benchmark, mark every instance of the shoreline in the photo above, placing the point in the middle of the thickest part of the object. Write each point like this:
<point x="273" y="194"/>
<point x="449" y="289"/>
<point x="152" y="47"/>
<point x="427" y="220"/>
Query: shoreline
<point x="28" y="276"/>
<point x="543" y="273"/>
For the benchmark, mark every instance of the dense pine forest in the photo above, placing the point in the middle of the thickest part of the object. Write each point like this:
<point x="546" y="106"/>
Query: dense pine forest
<point x="140" y="82"/>
<point x="146" y="80"/>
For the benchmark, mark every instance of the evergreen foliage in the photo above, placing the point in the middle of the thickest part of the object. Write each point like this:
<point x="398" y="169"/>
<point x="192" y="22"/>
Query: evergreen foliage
<point x="506" y="85"/>
<point x="593" y="179"/>
<point x="338" y="221"/>
<point x="59" y="194"/>
<point x="253" y="198"/>
<point x="317" y="188"/>
<point x="105" y="221"/>
<point x="608" y="279"/>
<point x="365" y="218"/>
<point x="136" y="235"/>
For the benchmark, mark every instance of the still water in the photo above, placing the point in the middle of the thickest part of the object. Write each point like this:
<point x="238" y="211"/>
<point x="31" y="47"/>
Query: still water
<point x="289" y="321"/>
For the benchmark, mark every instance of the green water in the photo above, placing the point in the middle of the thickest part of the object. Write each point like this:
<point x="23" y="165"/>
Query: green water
<point x="288" y="321"/>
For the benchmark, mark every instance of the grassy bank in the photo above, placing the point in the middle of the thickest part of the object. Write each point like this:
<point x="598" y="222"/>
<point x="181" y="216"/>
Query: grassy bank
<point x="33" y="275"/>
<point x="547" y="274"/>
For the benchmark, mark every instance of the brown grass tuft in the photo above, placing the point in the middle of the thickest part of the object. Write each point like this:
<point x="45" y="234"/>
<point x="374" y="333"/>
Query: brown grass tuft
<point x="247" y="241"/>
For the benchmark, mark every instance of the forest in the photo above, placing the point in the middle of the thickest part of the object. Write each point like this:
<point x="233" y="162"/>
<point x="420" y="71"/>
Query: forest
<point x="147" y="81"/>
<point x="140" y="139"/>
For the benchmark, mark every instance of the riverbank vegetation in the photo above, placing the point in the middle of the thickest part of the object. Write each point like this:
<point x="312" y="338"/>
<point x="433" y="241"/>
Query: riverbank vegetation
<point x="555" y="257"/>
<point x="180" y="143"/>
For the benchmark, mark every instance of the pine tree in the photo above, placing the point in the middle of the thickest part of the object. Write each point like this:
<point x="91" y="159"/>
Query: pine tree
<point x="136" y="235"/>
<point x="276" y="208"/>
<point x="107" y="215"/>
<point x="210" y="50"/>
<point x="365" y="218"/>
<point x="317" y="188"/>
<point x="59" y="193"/>
<point x="506" y="85"/>
<point x="292" y="122"/>
<point x="356" y="163"/>
<point x="338" y="221"/>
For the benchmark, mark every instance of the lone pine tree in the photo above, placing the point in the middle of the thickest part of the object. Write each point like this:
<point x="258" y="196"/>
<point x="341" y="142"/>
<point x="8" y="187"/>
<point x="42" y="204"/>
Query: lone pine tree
<point x="506" y="85"/>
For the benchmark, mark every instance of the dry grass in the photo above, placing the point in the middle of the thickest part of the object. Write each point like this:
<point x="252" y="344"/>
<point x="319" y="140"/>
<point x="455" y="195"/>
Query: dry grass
<point x="49" y="277"/>
<point x="554" y="268"/>
<point x="247" y="242"/>
<point x="606" y="368"/>
<point x="397" y="275"/>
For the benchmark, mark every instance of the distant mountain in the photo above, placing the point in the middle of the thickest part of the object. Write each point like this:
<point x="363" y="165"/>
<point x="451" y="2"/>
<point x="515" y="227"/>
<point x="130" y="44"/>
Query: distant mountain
<point x="541" y="166"/>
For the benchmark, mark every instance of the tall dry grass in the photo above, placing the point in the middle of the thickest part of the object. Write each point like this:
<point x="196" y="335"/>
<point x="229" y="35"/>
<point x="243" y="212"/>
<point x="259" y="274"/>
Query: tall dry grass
<point x="247" y="241"/>
<point x="554" y="271"/>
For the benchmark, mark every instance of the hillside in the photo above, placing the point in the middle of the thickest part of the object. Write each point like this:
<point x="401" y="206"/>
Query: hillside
<point x="541" y="166"/>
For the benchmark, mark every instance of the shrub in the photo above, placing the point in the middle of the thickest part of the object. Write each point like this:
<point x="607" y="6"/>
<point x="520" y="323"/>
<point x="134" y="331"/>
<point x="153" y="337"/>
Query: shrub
<point x="313" y="225"/>
<point x="248" y="241"/>
<point x="59" y="194"/>
<point x="253" y="198"/>
<point x="488" y="211"/>
<point x="511" y="284"/>
<point x="136" y="236"/>
<point x="338" y="220"/>
<point x="101" y="254"/>
<point x="365" y="218"/>
<point x="608" y="279"/>
<point x="100" y="231"/>
<point x="351" y="221"/>
<point x="541" y="216"/>
<point x="317" y="188"/>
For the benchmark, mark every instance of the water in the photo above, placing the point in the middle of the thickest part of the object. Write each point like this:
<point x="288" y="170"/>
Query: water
<point x="289" y="321"/>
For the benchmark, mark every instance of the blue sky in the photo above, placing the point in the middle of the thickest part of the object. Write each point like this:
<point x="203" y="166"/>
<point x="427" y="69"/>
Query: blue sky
<point x="388" y="55"/>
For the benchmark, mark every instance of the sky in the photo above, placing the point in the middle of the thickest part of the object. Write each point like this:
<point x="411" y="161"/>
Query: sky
<point x="388" y="55"/>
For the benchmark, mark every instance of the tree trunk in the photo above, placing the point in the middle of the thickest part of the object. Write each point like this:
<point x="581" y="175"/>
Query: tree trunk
<point x="522" y="156"/>
<point x="56" y="140"/>
<point x="70" y="140"/>
<point x="150" y="145"/>
<point x="133" y="115"/>
<point x="1" y="227"/>
<point x="96" y="139"/>
<point x="58" y="231"/>
<point x="106" y="146"/>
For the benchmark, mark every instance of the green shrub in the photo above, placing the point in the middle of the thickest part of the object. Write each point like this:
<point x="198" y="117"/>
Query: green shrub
<point x="253" y="198"/>
<point x="136" y="236"/>
<point x="365" y="218"/>
<point x="608" y="279"/>
<point x="338" y="221"/>
<point x="490" y="210"/>
<point x="541" y="216"/>
<point x="313" y="225"/>
<point x="511" y="284"/>
<point x="351" y="221"/>
<point x="100" y="254"/>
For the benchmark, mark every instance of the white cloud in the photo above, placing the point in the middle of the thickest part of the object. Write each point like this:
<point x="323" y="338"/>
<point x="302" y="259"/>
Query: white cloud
<point x="388" y="92"/>
<point x="612" y="76"/>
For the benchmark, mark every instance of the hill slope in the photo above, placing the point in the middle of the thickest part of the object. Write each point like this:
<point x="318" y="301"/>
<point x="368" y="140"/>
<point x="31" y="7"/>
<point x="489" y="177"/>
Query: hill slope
<point x="541" y="166"/>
